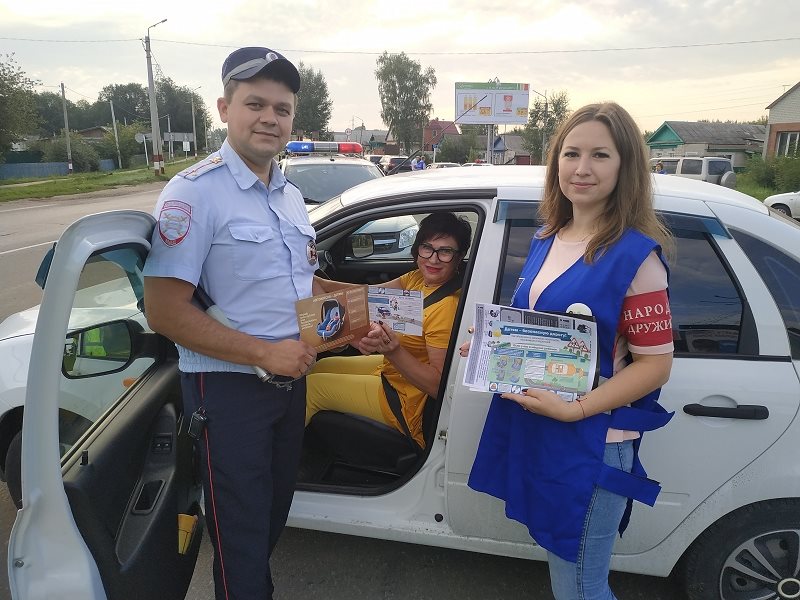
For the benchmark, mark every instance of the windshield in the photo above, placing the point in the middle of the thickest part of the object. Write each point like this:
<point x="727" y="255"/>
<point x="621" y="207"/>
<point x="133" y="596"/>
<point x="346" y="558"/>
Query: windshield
<point x="322" y="181"/>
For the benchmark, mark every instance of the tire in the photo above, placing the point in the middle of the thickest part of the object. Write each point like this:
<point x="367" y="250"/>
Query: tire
<point x="728" y="180"/>
<point x="14" y="469"/>
<point x="782" y="208"/>
<point x="752" y="553"/>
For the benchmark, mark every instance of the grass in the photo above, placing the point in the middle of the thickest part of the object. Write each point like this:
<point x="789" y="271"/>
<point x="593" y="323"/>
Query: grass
<point x="746" y="185"/>
<point x="81" y="183"/>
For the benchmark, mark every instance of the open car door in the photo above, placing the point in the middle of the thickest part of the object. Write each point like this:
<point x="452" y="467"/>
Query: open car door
<point x="106" y="465"/>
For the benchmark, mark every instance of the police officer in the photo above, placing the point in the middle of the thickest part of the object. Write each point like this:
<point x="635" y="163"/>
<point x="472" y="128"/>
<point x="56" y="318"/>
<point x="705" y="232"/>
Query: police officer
<point x="235" y="226"/>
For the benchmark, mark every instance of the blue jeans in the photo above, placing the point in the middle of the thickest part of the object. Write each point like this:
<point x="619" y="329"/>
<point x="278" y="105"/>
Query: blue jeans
<point x="587" y="579"/>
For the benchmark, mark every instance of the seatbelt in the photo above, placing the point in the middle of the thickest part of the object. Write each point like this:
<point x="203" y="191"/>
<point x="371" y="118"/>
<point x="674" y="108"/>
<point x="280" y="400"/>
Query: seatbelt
<point x="392" y="397"/>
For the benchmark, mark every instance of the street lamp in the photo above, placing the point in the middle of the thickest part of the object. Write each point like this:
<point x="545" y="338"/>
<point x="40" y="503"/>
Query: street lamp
<point x="544" y="119"/>
<point x="158" y="159"/>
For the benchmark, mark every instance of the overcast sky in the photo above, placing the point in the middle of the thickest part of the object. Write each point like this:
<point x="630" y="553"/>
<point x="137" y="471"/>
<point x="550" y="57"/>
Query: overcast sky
<point x="594" y="49"/>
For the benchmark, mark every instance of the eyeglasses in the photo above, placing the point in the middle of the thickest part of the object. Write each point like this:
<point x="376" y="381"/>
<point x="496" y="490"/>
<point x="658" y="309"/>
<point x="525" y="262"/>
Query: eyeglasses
<point x="444" y="254"/>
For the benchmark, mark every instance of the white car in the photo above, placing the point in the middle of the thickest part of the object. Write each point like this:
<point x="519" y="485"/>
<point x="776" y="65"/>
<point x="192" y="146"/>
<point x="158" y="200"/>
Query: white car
<point x="788" y="203"/>
<point x="99" y="512"/>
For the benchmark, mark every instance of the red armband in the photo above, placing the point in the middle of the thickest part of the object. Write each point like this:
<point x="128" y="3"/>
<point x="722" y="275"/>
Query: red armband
<point x="646" y="319"/>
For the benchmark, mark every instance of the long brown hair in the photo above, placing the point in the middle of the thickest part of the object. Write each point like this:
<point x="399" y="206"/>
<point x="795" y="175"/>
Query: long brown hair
<point x="630" y="204"/>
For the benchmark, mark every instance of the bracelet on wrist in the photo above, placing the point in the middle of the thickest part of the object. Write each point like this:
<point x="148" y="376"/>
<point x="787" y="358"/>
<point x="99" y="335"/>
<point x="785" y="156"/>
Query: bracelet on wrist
<point x="583" y="412"/>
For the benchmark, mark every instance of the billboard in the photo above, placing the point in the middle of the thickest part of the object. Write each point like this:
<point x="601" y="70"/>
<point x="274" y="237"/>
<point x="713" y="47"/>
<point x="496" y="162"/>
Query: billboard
<point x="492" y="103"/>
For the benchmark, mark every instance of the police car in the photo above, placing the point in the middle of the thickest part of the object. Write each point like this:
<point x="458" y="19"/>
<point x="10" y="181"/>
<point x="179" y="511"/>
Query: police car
<point x="322" y="170"/>
<point x="100" y="511"/>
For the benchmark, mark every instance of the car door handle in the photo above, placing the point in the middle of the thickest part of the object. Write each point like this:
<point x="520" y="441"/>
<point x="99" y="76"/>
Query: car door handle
<point x="751" y="412"/>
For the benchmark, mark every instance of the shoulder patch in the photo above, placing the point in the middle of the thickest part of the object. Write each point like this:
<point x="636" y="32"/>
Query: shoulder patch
<point x="174" y="222"/>
<point x="201" y="168"/>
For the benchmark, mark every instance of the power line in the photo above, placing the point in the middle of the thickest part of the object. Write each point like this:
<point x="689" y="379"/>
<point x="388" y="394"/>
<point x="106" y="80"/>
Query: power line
<point x="509" y="52"/>
<point x="69" y="41"/>
<point x="687" y="112"/>
<point x="498" y="53"/>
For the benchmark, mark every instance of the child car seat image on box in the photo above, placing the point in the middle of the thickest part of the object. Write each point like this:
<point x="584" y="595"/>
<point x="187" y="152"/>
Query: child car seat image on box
<point x="332" y="319"/>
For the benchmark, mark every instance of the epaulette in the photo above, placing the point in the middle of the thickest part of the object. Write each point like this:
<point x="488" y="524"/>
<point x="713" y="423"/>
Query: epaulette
<point x="201" y="168"/>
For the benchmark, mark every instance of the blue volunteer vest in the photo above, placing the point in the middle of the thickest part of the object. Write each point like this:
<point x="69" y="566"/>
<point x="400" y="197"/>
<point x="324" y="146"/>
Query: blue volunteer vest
<point x="544" y="469"/>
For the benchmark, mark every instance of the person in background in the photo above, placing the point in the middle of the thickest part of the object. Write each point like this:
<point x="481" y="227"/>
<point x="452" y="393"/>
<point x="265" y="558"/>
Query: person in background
<point x="568" y="470"/>
<point x="660" y="168"/>
<point x="408" y="367"/>
<point x="421" y="163"/>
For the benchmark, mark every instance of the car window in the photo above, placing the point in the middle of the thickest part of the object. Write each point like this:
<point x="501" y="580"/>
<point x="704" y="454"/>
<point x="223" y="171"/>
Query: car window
<point x="321" y="182"/>
<point x="781" y="274"/>
<point x="705" y="302"/>
<point x="392" y="237"/>
<point x="99" y="364"/>
<point x="691" y="167"/>
<point x="670" y="166"/>
<point x="718" y="167"/>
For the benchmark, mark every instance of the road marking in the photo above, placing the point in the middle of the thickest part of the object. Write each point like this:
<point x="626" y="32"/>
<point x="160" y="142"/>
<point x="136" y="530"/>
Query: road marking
<point x="26" y="247"/>
<point x="26" y="208"/>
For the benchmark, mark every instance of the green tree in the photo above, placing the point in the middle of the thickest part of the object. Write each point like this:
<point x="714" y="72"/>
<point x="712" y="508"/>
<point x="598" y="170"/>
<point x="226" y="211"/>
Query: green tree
<point x="84" y="156"/>
<point x="131" y="102"/>
<point x="128" y="146"/>
<point x="50" y="112"/>
<point x="541" y="121"/>
<point x="175" y="101"/>
<point x="313" y="103"/>
<point x="405" y="91"/>
<point x="17" y="104"/>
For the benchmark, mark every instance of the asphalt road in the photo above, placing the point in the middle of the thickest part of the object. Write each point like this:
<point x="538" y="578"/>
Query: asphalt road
<point x="308" y="565"/>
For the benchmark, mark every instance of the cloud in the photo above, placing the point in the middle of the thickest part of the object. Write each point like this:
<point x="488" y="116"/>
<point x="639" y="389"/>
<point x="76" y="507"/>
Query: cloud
<point x="725" y="82"/>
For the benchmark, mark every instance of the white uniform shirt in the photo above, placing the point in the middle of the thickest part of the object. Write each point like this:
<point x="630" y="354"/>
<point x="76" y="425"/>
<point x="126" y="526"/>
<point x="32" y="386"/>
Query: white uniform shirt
<point x="249" y="246"/>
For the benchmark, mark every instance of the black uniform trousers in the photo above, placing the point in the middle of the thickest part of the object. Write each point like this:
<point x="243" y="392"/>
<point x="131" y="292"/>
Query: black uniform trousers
<point x="249" y="454"/>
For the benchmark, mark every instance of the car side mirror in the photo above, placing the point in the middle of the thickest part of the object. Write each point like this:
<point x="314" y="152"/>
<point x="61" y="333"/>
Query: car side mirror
<point x="100" y="349"/>
<point x="44" y="267"/>
<point x="361" y="245"/>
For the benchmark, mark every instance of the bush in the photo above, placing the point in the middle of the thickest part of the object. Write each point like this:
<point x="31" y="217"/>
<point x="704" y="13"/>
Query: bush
<point x="787" y="174"/>
<point x="761" y="172"/>
<point x="84" y="157"/>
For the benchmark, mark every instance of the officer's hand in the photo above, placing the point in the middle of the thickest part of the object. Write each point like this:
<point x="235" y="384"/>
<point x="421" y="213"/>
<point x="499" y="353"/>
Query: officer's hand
<point x="293" y="358"/>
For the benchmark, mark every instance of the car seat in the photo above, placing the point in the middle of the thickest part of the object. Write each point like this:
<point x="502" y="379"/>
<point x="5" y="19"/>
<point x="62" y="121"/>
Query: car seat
<point x="331" y="319"/>
<point x="359" y="444"/>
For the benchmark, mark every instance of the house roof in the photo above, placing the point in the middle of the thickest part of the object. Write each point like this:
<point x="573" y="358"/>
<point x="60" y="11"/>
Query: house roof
<point x="692" y="132"/>
<point x="510" y="142"/>
<point x="784" y="94"/>
<point x="441" y="125"/>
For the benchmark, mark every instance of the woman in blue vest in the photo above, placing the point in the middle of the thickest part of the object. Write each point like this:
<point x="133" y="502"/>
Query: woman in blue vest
<point x="568" y="470"/>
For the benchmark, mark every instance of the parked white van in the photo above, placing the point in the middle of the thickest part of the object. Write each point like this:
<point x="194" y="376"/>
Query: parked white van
<point x="713" y="169"/>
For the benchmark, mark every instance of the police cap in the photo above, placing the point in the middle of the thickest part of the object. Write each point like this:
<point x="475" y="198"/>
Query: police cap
<point x="245" y="63"/>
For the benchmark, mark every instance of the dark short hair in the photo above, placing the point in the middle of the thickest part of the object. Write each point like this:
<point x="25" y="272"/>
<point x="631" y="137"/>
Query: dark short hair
<point x="437" y="225"/>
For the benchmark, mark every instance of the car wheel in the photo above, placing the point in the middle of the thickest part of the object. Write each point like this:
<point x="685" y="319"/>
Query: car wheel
<point x="752" y="553"/>
<point x="782" y="208"/>
<point x="14" y="469"/>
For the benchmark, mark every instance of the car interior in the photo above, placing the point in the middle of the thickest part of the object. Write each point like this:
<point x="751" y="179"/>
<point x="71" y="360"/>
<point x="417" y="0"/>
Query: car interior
<point x="349" y="452"/>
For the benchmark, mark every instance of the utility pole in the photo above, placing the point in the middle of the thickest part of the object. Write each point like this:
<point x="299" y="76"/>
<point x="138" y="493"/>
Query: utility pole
<point x="66" y="130"/>
<point x="194" y="127"/>
<point x="116" y="137"/>
<point x="544" y="128"/>
<point x="158" y="159"/>
<point x="169" y="131"/>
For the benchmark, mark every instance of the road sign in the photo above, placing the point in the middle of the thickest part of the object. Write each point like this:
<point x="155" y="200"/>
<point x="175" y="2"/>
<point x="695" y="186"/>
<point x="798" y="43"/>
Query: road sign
<point x="348" y="131"/>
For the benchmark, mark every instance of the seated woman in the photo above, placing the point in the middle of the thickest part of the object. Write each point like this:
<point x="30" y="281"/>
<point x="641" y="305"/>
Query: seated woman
<point x="411" y="364"/>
